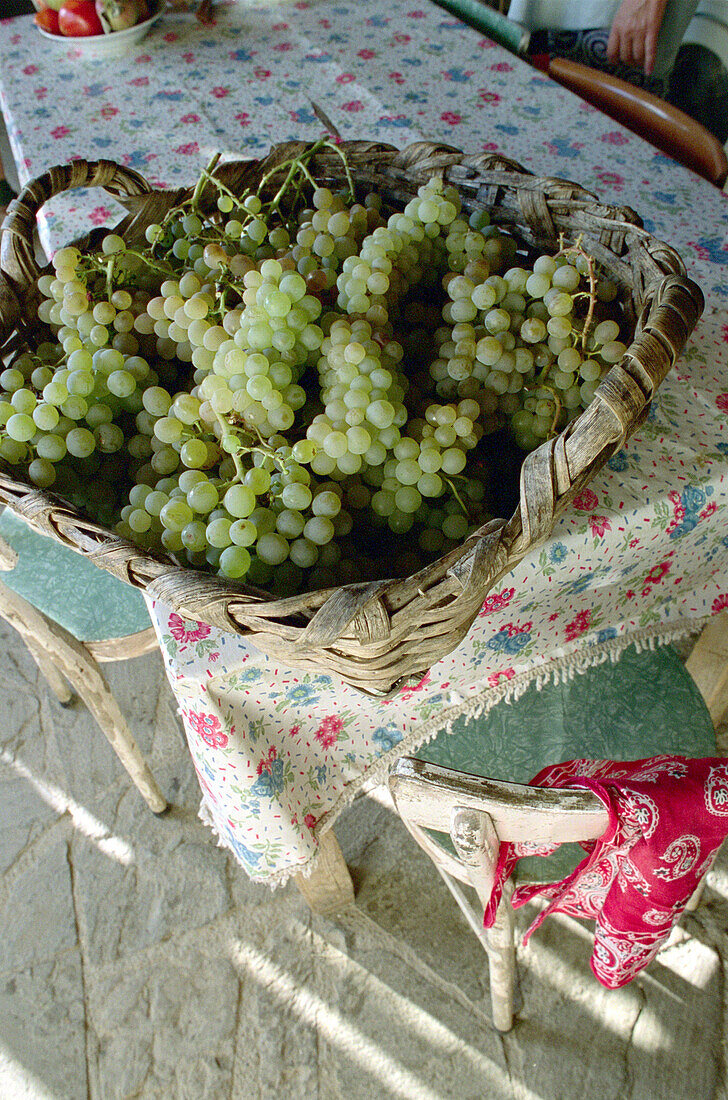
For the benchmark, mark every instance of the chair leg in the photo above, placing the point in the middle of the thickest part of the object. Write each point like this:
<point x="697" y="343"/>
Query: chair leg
<point x="498" y="942"/>
<point x="502" y="962"/>
<point x="54" y="678"/>
<point x="93" y="689"/>
<point x="476" y="842"/>
<point x="51" y="645"/>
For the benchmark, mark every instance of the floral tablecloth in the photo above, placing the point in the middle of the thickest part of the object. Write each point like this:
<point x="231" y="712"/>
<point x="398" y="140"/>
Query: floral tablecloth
<point x="642" y="555"/>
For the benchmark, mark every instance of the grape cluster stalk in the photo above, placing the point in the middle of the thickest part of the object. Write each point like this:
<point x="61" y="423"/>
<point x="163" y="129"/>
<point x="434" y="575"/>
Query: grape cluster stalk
<point x="291" y="388"/>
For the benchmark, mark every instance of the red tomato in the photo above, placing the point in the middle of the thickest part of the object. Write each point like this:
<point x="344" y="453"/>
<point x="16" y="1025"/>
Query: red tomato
<point x="78" y="18"/>
<point x="47" y="20"/>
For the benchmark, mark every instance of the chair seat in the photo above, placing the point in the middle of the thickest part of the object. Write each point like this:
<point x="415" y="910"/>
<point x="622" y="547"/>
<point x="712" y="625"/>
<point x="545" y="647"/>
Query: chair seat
<point x="78" y="595"/>
<point x="644" y="705"/>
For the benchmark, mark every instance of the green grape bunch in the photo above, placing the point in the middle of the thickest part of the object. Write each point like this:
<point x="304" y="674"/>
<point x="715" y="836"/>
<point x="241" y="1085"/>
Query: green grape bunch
<point x="292" y="389"/>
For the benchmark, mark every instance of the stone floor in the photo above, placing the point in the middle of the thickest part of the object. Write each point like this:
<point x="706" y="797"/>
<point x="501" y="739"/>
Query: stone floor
<point x="138" y="962"/>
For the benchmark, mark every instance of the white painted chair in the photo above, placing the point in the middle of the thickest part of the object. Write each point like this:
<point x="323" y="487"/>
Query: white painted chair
<point x="473" y="813"/>
<point x="478" y="814"/>
<point x="71" y="665"/>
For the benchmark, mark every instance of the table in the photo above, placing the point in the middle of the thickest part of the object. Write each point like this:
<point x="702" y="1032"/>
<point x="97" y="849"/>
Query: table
<point x="642" y="554"/>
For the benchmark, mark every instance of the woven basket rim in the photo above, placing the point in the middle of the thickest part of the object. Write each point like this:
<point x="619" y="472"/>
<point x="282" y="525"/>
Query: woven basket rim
<point x="361" y="623"/>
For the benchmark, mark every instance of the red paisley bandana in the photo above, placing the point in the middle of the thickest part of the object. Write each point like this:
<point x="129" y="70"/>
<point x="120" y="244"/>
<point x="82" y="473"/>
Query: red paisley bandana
<point x="667" y="817"/>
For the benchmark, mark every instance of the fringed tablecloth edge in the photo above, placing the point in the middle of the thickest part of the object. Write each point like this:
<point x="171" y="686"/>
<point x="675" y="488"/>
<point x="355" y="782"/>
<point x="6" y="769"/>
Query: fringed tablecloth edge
<point x="558" y="670"/>
<point x="277" y="878"/>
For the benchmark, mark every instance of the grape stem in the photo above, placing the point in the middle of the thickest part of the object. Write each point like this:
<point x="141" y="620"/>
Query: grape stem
<point x="292" y="164"/>
<point x="332" y="145"/>
<point x="163" y="269"/>
<point x="539" y="380"/>
<point x="457" y="496"/>
<point x="221" y="294"/>
<point x="295" y="166"/>
<point x="205" y="177"/>
<point x="226" y="430"/>
<point x="108" y="268"/>
<point x="262" y="448"/>
<point x="576" y="249"/>
<point x="299" y="165"/>
<point x="557" y="413"/>
<point x="193" y="201"/>
<point x="110" y="278"/>
<point x="223" y="189"/>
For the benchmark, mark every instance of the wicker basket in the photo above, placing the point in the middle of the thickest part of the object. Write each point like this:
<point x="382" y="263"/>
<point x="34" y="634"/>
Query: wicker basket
<point x="373" y="635"/>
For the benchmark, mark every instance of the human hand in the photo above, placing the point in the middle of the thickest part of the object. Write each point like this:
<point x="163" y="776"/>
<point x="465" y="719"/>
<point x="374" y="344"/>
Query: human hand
<point x="633" y="37"/>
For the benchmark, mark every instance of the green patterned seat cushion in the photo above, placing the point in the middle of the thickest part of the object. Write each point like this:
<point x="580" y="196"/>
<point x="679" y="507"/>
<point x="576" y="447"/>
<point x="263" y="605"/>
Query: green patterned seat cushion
<point x="89" y="602"/>
<point x="644" y="705"/>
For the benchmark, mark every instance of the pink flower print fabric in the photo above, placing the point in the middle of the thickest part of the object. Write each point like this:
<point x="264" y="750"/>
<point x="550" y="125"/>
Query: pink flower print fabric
<point x="668" y="815"/>
<point x="642" y="553"/>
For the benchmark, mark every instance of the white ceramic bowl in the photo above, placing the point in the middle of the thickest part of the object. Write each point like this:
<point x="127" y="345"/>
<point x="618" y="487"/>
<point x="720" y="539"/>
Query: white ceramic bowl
<point x="103" y="45"/>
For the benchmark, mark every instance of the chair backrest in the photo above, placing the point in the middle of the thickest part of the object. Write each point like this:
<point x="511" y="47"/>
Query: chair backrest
<point x="659" y="122"/>
<point x="479" y="813"/>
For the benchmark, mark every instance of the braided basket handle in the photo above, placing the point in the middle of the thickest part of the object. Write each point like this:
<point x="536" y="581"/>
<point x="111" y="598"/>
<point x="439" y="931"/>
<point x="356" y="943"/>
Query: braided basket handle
<point x="18" y="261"/>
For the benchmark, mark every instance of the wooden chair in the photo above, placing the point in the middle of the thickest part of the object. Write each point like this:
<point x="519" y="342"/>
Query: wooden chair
<point x="666" y="127"/>
<point x="477" y="814"/>
<point x="459" y="815"/>
<point x="658" y="122"/>
<point x="70" y="663"/>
